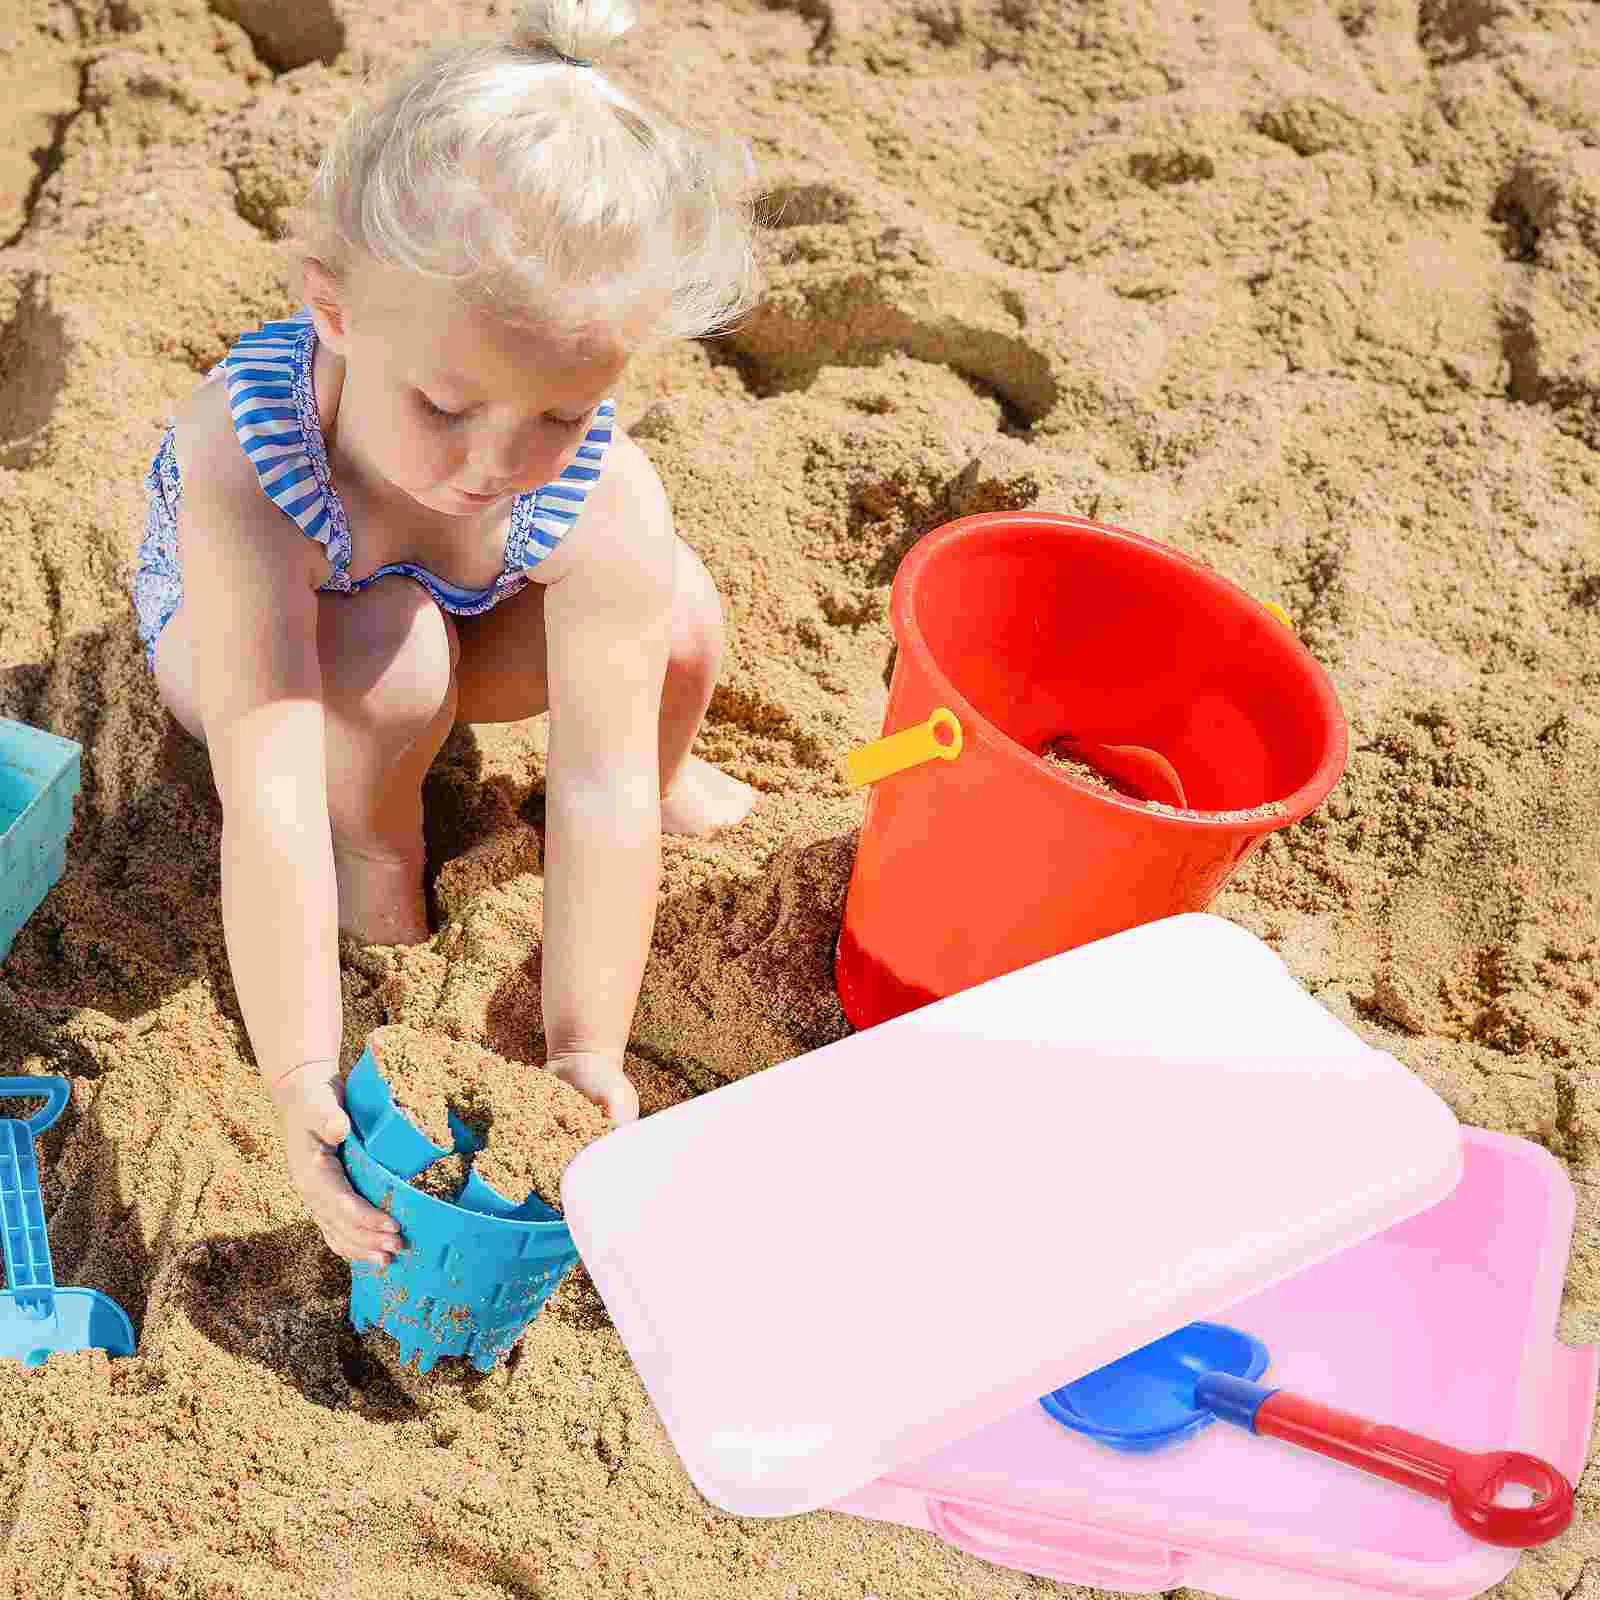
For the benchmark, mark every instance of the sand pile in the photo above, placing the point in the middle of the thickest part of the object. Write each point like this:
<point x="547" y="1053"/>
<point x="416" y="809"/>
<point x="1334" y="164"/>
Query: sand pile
<point x="532" y="1123"/>
<point x="1304" y="287"/>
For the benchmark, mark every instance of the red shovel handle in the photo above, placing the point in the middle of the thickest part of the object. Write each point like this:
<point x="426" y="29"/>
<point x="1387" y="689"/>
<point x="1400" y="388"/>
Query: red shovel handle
<point x="1470" y="1483"/>
<point x="1480" y="1480"/>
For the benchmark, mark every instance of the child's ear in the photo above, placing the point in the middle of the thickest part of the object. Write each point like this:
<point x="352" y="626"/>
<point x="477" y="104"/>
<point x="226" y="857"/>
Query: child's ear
<point x="325" y="296"/>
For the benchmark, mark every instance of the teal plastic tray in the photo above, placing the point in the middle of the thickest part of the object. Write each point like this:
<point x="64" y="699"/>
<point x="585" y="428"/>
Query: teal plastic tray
<point x="39" y="779"/>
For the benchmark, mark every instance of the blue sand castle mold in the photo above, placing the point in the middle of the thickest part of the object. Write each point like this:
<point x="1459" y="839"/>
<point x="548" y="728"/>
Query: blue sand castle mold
<point x="36" y="1318"/>
<point x="39" y="778"/>
<point x="466" y="1283"/>
<point x="481" y="1196"/>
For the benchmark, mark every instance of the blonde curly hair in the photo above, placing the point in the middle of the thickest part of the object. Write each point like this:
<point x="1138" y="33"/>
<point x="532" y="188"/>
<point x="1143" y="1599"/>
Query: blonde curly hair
<point x="521" y="174"/>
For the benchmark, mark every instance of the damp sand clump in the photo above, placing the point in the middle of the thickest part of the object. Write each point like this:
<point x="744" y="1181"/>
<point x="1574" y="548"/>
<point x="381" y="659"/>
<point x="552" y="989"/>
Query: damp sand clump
<point x="444" y="1179"/>
<point x="533" y="1123"/>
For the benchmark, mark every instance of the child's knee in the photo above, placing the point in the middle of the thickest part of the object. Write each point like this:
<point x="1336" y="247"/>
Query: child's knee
<point x="406" y="653"/>
<point x="697" y="616"/>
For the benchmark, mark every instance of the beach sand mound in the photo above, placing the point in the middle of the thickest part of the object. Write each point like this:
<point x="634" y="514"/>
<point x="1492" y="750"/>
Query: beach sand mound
<point x="1304" y="287"/>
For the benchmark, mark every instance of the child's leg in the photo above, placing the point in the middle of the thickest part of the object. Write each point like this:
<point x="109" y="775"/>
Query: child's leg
<point x="388" y="657"/>
<point x="389" y="690"/>
<point x="503" y="679"/>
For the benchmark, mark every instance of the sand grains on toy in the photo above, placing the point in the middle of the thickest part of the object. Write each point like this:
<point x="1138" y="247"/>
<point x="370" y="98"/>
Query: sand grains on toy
<point x="444" y="1179"/>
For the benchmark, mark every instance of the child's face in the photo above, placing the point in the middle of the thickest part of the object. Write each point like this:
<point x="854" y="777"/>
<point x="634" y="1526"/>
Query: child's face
<point x="460" y="410"/>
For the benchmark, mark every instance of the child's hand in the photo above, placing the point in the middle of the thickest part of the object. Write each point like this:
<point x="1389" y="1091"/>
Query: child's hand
<point x="600" y="1076"/>
<point x="313" y="1125"/>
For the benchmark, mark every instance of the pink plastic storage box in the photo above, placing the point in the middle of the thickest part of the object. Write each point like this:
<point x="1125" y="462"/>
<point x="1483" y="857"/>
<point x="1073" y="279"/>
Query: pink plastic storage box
<point x="1445" y="1323"/>
<point x="847" y="1280"/>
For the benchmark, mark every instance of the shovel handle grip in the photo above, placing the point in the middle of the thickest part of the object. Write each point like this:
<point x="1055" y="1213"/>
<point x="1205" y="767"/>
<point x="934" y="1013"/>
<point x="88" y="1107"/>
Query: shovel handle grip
<point x="1469" y="1483"/>
<point x="55" y="1091"/>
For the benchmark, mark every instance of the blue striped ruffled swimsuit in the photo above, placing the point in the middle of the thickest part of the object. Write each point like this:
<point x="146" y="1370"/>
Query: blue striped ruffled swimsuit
<point x="274" y="406"/>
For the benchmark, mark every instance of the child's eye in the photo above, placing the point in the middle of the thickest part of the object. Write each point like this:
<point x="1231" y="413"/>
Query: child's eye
<point x="438" y="411"/>
<point x="570" y="422"/>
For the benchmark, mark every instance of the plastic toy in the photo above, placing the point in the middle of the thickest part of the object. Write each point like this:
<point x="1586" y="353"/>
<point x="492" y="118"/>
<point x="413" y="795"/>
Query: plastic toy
<point x="1146" y="1400"/>
<point x="466" y="1283"/>
<point x="937" y="739"/>
<point x="1023" y="627"/>
<point x="474" y="1272"/>
<point x="39" y="778"/>
<point x="1031" y="1178"/>
<point x="1163" y="1394"/>
<point x="37" y="1319"/>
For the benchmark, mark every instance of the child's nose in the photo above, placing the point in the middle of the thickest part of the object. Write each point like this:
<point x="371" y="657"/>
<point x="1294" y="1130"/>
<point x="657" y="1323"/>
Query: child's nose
<point x="510" y="455"/>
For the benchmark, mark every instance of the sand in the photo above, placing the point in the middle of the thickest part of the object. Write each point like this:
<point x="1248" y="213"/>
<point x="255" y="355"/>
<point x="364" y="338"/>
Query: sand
<point x="533" y="1123"/>
<point x="1086" y="772"/>
<point x="535" y="1135"/>
<point x="1055" y="754"/>
<point x="1265" y="812"/>
<point x="443" y="1179"/>
<point x="1304" y="287"/>
<point x="427" y="1076"/>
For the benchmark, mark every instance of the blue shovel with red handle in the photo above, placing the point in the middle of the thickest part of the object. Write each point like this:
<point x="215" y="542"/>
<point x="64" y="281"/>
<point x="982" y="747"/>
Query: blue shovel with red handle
<point x="1170" y="1390"/>
<point x="36" y="1318"/>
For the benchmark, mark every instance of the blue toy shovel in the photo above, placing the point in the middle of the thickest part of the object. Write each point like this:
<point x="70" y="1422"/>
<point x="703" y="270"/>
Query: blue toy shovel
<point x="36" y="1318"/>
<point x="1170" y="1390"/>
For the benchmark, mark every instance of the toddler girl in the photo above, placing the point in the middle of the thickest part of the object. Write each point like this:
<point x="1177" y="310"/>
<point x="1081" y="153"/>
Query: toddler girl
<point x="410" y="505"/>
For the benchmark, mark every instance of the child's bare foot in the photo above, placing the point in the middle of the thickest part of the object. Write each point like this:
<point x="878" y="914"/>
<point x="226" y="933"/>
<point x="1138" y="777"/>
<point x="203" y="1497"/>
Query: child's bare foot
<point x="380" y="896"/>
<point x="704" y="800"/>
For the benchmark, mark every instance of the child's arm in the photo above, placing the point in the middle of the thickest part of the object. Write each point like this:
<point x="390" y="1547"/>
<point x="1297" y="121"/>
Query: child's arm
<point x="251" y="614"/>
<point x="608" y="629"/>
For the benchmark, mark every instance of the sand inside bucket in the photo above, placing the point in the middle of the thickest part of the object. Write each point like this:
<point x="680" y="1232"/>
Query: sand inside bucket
<point x="424" y="1073"/>
<point x="535" y="1132"/>
<point x="1261" y="813"/>
<point x="443" y="1179"/>
<point x="1054" y="754"/>
<point x="533" y="1123"/>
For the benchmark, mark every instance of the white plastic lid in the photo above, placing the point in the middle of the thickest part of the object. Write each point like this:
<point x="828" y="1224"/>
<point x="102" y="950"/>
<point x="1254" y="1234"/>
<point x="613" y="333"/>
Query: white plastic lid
<point x="845" y="1262"/>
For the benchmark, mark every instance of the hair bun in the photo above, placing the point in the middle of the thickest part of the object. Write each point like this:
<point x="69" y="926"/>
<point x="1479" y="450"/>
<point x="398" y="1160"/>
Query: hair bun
<point x="581" y="29"/>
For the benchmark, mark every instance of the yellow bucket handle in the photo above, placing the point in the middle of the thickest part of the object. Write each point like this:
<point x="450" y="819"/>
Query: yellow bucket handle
<point x="908" y="748"/>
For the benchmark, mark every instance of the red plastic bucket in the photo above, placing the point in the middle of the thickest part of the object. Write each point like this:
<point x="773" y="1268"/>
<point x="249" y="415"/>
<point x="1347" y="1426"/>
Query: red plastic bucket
<point x="1029" y="626"/>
